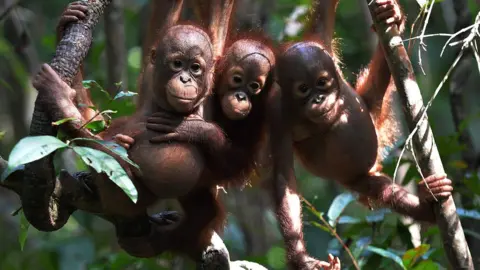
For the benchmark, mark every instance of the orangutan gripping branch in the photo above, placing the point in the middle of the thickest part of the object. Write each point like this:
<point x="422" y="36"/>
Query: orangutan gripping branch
<point x="181" y="77"/>
<point x="336" y="130"/>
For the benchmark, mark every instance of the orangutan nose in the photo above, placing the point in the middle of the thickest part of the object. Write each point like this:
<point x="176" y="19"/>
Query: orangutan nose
<point x="185" y="79"/>
<point x="319" y="99"/>
<point x="240" y="96"/>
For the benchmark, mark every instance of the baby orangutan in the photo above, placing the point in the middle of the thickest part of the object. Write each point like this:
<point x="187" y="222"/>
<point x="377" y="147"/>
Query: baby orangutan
<point x="336" y="130"/>
<point x="181" y="77"/>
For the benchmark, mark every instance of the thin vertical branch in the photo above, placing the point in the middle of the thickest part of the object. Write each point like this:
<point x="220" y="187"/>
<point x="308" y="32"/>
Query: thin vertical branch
<point x="116" y="47"/>
<point x="454" y="242"/>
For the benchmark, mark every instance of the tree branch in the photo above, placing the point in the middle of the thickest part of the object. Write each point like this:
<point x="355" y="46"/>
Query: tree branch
<point x="425" y="148"/>
<point x="40" y="208"/>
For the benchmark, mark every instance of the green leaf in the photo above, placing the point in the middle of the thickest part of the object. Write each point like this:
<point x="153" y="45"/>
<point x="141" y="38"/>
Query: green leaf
<point x="64" y="120"/>
<point x="426" y="265"/>
<point x="337" y="207"/>
<point x="114" y="147"/>
<point x="2" y="134"/>
<point x="103" y="162"/>
<point x="122" y="94"/>
<point x="387" y="254"/>
<point x="30" y="149"/>
<point x="412" y="255"/>
<point x="24" y="226"/>
<point x="91" y="84"/>
<point x="96" y="126"/>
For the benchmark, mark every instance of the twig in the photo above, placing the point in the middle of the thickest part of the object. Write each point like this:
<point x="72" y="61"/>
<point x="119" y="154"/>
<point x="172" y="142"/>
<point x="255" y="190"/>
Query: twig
<point x="334" y="233"/>
<point x="422" y="45"/>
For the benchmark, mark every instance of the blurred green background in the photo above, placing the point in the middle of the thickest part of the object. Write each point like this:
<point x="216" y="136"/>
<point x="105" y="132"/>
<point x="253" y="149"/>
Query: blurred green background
<point x="376" y="239"/>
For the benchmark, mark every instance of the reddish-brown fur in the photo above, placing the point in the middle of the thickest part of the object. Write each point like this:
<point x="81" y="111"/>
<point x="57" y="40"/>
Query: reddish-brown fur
<point x="335" y="130"/>
<point x="181" y="175"/>
<point x="235" y="158"/>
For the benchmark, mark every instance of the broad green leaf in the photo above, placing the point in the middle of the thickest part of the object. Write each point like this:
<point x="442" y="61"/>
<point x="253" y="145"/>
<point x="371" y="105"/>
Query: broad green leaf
<point x="377" y="215"/>
<point x="122" y="94"/>
<point x="30" y="149"/>
<point x="338" y="205"/>
<point x="96" y="126"/>
<point x="9" y="171"/>
<point x="411" y="256"/>
<point x="426" y="265"/>
<point x="114" y="147"/>
<point x="468" y="213"/>
<point x="24" y="226"/>
<point x="348" y="220"/>
<point x="2" y="134"/>
<point x="275" y="258"/>
<point x="387" y="254"/>
<point x="103" y="162"/>
<point x="64" y="120"/>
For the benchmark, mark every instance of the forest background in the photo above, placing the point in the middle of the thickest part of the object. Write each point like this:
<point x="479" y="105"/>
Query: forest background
<point x="376" y="239"/>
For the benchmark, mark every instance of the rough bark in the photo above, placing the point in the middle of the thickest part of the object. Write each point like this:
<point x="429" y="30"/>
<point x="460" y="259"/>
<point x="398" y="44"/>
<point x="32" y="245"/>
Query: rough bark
<point x="454" y="242"/>
<point x="40" y="208"/>
<point x="116" y="48"/>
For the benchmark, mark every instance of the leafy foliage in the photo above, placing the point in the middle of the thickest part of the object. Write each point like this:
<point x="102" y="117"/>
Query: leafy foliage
<point x="30" y="149"/>
<point x="33" y="148"/>
<point x="104" y="163"/>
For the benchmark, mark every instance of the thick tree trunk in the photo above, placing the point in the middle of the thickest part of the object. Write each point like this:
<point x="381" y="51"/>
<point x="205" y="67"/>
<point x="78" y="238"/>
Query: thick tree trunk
<point x="40" y="208"/>
<point x="425" y="148"/>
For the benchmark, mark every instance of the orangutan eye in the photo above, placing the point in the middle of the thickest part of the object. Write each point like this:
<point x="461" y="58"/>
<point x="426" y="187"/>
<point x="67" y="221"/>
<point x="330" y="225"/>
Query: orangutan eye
<point x="323" y="83"/>
<point x="176" y="65"/>
<point x="237" y="79"/>
<point x="303" y="90"/>
<point x="196" y="69"/>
